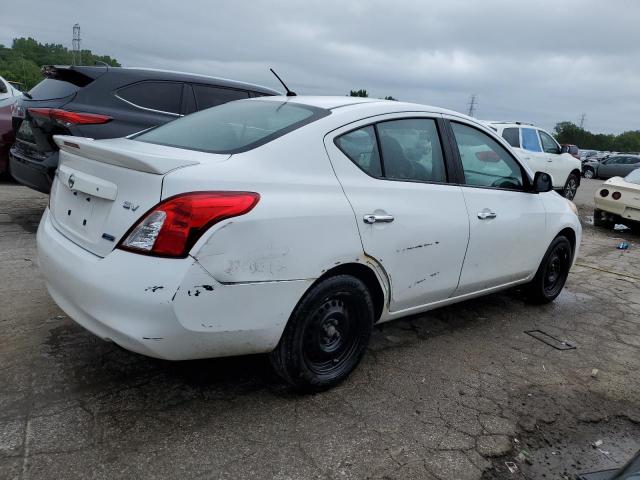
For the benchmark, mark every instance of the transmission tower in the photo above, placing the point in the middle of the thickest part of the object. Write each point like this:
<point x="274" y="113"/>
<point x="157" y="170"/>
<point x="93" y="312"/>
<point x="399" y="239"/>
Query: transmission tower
<point x="473" y="103"/>
<point x="77" y="56"/>
<point x="583" y="116"/>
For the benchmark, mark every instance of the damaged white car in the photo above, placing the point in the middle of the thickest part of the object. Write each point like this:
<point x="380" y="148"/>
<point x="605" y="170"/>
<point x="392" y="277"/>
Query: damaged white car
<point x="292" y="225"/>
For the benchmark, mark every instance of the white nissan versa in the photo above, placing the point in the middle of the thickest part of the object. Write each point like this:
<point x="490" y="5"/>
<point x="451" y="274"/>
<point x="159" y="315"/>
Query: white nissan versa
<point x="292" y="225"/>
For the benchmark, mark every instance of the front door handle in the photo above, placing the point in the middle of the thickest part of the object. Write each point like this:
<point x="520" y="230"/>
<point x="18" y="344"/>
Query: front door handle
<point x="371" y="218"/>
<point x="486" y="214"/>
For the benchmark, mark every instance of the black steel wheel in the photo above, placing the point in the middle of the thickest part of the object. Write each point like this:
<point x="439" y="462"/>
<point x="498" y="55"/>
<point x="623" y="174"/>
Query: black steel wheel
<point x="327" y="334"/>
<point x="571" y="187"/>
<point x="552" y="272"/>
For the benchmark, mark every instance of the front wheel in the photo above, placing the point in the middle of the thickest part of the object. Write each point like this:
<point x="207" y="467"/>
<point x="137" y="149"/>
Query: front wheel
<point x="552" y="272"/>
<point x="571" y="187"/>
<point x="589" y="173"/>
<point x="327" y="334"/>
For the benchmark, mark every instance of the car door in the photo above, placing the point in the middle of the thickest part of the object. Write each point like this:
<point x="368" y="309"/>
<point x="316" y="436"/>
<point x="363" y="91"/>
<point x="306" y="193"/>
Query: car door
<point x="557" y="166"/>
<point x="630" y="164"/>
<point x="505" y="220"/>
<point x="610" y="167"/>
<point x="410" y="220"/>
<point x="532" y="153"/>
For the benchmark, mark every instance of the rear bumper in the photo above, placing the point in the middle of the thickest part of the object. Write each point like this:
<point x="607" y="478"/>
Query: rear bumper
<point x="164" y="308"/>
<point x="36" y="174"/>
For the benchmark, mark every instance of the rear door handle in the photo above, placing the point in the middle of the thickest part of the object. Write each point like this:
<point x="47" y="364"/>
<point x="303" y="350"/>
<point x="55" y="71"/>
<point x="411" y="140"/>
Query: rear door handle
<point x="486" y="214"/>
<point x="371" y="218"/>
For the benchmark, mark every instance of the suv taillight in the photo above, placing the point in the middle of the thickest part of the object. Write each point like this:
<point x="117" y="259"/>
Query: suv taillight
<point x="70" y="118"/>
<point x="172" y="227"/>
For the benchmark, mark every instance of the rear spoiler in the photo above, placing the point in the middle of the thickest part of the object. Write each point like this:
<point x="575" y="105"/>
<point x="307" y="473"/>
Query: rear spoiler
<point x="79" y="76"/>
<point x="122" y="152"/>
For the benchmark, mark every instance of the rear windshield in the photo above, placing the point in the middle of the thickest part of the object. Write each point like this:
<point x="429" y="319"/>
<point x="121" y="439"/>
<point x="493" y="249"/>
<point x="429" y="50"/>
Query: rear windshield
<point x="50" y="88"/>
<point x="233" y="127"/>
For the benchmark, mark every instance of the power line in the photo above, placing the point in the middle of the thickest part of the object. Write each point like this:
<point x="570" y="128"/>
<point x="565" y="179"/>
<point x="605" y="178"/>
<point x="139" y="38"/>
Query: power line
<point x="77" y="56"/>
<point x="473" y="103"/>
<point x="583" y="116"/>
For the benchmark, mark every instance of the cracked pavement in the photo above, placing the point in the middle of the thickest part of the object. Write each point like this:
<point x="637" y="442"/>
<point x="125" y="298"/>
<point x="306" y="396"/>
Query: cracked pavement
<point x="451" y="394"/>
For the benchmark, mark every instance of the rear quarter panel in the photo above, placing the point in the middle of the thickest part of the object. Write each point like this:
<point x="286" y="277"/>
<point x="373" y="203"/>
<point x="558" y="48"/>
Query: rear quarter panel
<point x="302" y="226"/>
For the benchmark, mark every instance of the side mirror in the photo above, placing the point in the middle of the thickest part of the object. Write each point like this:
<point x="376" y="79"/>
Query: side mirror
<point x="542" y="182"/>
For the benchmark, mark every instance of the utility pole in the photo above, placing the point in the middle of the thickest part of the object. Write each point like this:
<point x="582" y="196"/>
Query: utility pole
<point x="77" y="56"/>
<point x="583" y="116"/>
<point x="473" y="102"/>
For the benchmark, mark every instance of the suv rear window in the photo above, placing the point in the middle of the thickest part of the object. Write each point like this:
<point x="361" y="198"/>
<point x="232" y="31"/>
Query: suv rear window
<point x="233" y="127"/>
<point x="49" y="89"/>
<point x="159" y="96"/>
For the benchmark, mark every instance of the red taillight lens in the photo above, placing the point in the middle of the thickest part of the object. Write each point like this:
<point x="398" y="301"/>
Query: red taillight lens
<point x="616" y="195"/>
<point x="604" y="192"/>
<point x="70" y="118"/>
<point x="172" y="227"/>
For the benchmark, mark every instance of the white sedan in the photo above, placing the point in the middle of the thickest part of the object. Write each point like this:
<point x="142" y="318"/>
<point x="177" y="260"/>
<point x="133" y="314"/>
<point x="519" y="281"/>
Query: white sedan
<point x="292" y="225"/>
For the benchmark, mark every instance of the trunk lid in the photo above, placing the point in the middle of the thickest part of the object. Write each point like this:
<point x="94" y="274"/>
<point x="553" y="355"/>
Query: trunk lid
<point x="103" y="187"/>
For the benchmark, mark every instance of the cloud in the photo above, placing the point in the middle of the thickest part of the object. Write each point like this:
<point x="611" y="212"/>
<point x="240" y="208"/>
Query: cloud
<point x="542" y="62"/>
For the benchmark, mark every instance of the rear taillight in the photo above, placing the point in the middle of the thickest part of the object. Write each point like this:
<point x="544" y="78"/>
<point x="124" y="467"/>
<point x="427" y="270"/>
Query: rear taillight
<point x="604" y="192"/>
<point x="172" y="227"/>
<point x="69" y="118"/>
<point x="616" y="195"/>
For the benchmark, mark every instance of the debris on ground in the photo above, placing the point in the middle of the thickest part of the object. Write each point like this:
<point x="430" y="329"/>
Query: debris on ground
<point x="619" y="227"/>
<point x="597" y="443"/>
<point x="623" y="246"/>
<point x="512" y="466"/>
<point x="594" y="372"/>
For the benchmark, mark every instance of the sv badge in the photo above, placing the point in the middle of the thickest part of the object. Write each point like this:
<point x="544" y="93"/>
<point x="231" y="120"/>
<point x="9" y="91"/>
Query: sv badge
<point x="130" y="206"/>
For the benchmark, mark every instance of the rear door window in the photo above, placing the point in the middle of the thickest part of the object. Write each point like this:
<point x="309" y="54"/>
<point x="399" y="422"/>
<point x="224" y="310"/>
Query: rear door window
<point x="207" y="96"/>
<point x="158" y="96"/>
<point x="530" y="140"/>
<point x="411" y="150"/>
<point x="512" y="136"/>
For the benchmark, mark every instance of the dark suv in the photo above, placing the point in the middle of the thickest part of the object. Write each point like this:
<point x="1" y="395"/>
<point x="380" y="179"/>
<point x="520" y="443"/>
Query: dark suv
<point x="105" y="102"/>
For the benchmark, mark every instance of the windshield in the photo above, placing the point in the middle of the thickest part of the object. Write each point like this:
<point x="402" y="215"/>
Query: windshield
<point x="233" y="127"/>
<point x="633" y="177"/>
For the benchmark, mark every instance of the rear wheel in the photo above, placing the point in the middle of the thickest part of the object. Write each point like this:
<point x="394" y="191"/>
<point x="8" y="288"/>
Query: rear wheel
<point x="589" y="172"/>
<point x="552" y="272"/>
<point x="602" y="219"/>
<point x="571" y="187"/>
<point x="327" y="334"/>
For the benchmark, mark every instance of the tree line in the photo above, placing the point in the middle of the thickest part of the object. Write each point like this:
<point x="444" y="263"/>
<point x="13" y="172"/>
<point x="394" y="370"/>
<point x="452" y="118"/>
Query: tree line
<point x="23" y="61"/>
<point x="569" y="132"/>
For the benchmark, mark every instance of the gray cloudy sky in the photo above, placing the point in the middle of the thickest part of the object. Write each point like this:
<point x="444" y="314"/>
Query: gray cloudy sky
<point x="539" y="61"/>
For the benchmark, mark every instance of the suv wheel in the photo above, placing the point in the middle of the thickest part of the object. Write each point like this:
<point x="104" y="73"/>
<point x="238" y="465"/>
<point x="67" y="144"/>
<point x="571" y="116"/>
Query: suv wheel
<point x="326" y="336"/>
<point x="589" y="173"/>
<point x="552" y="272"/>
<point x="571" y="187"/>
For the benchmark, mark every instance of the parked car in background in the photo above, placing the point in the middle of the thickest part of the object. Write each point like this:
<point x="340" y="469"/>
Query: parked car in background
<point x="543" y="154"/>
<point x="618" y="201"/>
<point x="275" y="225"/>
<point x="106" y="102"/>
<point x="9" y="95"/>
<point x="572" y="150"/>
<point x="613" y="166"/>
<point x="587" y="154"/>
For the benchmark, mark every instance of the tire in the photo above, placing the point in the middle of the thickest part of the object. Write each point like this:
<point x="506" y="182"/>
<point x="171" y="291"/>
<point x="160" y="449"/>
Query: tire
<point x="571" y="186"/>
<point x="552" y="272"/>
<point x="589" y="173"/>
<point x="599" y="221"/>
<point x="326" y="336"/>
